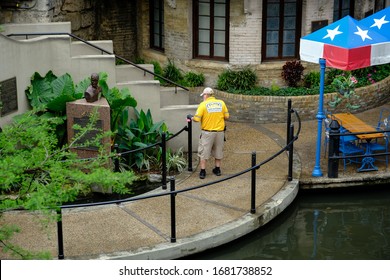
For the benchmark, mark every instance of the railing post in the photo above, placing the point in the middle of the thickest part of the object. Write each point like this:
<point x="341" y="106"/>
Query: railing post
<point x="334" y="145"/>
<point x="60" y="235"/>
<point x="253" y="184"/>
<point x="164" y="161"/>
<point x="189" y="130"/>
<point x="320" y="117"/>
<point x="173" y="211"/>
<point x="291" y="153"/>
<point x="288" y="121"/>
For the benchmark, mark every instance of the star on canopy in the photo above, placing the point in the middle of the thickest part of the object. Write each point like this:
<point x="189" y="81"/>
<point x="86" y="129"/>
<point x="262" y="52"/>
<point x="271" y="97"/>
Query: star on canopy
<point x="379" y="22"/>
<point x="362" y="33"/>
<point x="332" y="33"/>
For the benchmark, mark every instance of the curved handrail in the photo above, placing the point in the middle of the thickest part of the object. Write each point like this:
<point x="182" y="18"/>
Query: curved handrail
<point x="102" y="50"/>
<point x="141" y="197"/>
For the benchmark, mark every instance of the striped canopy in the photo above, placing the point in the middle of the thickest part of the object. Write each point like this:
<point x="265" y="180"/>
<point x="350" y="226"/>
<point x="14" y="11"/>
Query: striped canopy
<point x="347" y="44"/>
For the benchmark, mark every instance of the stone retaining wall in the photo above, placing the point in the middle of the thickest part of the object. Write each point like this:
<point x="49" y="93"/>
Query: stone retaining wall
<point x="273" y="109"/>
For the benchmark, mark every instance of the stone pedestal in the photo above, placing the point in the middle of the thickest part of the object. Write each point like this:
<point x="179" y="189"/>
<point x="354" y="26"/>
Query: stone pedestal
<point x="79" y="112"/>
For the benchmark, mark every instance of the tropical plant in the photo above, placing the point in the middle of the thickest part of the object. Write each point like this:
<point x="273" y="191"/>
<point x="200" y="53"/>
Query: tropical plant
<point x="292" y="72"/>
<point x="48" y="96"/>
<point x="137" y="134"/>
<point x="312" y="79"/>
<point x="158" y="70"/>
<point x="193" y="79"/>
<point x="241" y="80"/>
<point x="176" y="161"/>
<point x="345" y="86"/>
<point x="51" y="92"/>
<point x="173" y="73"/>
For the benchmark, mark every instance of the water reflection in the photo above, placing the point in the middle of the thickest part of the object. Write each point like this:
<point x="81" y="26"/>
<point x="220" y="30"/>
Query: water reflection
<point x="338" y="225"/>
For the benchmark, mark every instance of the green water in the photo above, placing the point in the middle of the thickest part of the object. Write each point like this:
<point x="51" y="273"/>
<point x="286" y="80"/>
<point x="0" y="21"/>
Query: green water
<point x="342" y="225"/>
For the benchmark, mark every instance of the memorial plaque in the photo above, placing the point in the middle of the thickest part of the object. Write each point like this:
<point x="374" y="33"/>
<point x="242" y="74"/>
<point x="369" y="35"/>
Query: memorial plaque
<point x="79" y="112"/>
<point x="8" y="97"/>
<point x="90" y="135"/>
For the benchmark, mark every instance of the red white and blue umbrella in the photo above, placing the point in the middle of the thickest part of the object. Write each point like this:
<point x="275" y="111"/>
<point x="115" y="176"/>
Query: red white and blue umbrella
<point x="346" y="44"/>
<point x="379" y="22"/>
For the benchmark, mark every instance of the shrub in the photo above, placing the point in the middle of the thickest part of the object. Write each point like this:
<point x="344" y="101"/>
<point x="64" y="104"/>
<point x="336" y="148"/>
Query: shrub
<point x="244" y="79"/>
<point x="171" y="72"/>
<point x="292" y="72"/>
<point x="137" y="134"/>
<point x="158" y="70"/>
<point x="331" y="74"/>
<point x="193" y="79"/>
<point x="36" y="175"/>
<point x="311" y="79"/>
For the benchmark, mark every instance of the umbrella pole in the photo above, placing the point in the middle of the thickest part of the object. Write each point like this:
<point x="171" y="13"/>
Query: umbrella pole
<point x="320" y="116"/>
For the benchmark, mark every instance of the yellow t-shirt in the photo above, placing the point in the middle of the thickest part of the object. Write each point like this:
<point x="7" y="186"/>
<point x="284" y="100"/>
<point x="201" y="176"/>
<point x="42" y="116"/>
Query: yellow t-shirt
<point x="212" y="114"/>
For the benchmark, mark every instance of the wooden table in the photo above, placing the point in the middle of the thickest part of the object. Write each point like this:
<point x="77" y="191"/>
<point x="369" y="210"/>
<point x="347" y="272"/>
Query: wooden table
<point x="354" y="125"/>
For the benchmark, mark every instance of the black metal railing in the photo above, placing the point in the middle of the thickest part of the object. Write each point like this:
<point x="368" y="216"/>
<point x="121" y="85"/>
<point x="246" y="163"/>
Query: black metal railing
<point x="163" y="145"/>
<point x="168" y="81"/>
<point x="173" y="192"/>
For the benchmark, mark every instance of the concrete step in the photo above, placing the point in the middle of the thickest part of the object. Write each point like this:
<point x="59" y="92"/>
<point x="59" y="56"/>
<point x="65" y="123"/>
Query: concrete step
<point x="147" y="94"/>
<point x="84" y="65"/>
<point x="128" y="72"/>
<point x="52" y="27"/>
<point x="171" y="96"/>
<point x="80" y="48"/>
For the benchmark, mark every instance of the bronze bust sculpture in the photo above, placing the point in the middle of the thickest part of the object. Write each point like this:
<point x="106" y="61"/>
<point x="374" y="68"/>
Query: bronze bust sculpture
<point x="92" y="93"/>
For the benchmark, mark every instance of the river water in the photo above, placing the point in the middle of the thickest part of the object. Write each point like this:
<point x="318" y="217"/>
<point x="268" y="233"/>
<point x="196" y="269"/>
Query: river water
<point x="337" y="225"/>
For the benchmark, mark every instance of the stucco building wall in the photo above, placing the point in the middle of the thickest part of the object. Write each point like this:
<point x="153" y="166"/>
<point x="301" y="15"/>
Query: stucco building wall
<point x="127" y="24"/>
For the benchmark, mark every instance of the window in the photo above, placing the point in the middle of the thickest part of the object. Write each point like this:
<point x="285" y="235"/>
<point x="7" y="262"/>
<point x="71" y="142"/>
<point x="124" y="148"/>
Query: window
<point x="211" y="29"/>
<point x="342" y="8"/>
<point x="157" y="24"/>
<point x="281" y="29"/>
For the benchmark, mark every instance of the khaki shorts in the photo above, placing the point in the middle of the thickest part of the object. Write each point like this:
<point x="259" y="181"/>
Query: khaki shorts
<point x="211" y="144"/>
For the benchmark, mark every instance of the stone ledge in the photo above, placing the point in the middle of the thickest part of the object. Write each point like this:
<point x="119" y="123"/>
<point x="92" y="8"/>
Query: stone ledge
<point x="272" y="109"/>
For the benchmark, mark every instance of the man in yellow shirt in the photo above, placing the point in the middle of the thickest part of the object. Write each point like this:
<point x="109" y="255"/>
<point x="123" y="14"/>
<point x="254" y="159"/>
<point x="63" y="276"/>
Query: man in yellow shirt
<point x="211" y="114"/>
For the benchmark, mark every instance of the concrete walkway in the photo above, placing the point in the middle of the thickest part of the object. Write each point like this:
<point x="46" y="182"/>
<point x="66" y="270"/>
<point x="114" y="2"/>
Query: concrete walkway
<point x="206" y="217"/>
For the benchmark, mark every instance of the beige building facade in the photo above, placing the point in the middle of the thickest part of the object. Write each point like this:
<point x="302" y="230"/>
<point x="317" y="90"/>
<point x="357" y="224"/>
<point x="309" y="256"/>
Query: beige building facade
<point x="205" y="36"/>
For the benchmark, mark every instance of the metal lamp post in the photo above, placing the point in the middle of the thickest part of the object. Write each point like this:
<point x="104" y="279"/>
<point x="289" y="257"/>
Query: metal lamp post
<point x="320" y="116"/>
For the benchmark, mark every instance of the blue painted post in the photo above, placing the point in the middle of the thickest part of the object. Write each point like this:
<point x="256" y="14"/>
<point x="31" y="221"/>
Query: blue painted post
<point x="320" y="116"/>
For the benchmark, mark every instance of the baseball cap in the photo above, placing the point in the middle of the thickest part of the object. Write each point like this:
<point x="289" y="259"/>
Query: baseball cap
<point x="207" y="90"/>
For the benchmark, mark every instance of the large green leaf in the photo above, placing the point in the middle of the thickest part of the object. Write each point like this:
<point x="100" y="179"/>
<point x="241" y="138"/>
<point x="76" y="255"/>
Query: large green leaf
<point x="119" y="99"/>
<point x="64" y="91"/>
<point x="58" y="104"/>
<point x="81" y="87"/>
<point x="63" y="85"/>
<point x="103" y="77"/>
<point x="40" y="91"/>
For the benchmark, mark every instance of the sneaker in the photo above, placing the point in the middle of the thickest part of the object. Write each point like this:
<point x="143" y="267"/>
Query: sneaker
<point x="202" y="174"/>
<point x="217" y="171"/>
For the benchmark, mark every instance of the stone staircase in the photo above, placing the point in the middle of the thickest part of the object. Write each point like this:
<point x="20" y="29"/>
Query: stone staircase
<point x="80" y="59"/>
